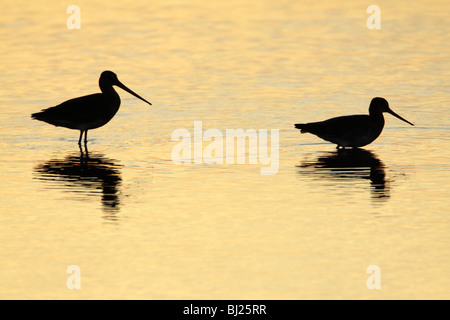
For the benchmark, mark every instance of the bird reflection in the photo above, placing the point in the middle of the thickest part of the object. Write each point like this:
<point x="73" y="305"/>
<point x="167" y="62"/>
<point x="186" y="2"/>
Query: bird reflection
<point x="88" y="172"/>
<point x="351" y="164"/>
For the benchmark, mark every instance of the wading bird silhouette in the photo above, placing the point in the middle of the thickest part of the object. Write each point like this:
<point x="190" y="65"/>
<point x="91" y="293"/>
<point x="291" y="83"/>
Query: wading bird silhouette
<point x="352" y="131"/>
<point x="87" y="112"/>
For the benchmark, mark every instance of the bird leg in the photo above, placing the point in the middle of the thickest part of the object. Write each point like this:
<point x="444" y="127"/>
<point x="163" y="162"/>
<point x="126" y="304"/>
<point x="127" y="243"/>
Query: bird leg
<point x="85" y="144"/>
<point x="81" y="135"/>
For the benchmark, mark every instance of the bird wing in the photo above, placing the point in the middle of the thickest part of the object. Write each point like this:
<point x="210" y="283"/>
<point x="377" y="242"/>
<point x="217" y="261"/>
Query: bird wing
<point x="338" y="127"/>
<point x="78" y="110"/>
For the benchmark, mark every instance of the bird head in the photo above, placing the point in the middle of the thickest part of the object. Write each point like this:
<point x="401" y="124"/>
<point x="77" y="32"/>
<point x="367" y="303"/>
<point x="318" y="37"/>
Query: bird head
<point x="109" y="78"/>
<point x="379" y="105"/>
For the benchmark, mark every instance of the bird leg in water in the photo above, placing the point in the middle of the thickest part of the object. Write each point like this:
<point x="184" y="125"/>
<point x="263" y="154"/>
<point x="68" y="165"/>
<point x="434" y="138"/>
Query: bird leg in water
<point x="84" y="154"/>
<point x="81" y="135"/>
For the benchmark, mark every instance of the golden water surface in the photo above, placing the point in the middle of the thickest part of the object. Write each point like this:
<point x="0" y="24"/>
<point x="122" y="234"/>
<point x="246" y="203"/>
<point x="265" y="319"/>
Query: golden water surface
<point x="140" y="226"/>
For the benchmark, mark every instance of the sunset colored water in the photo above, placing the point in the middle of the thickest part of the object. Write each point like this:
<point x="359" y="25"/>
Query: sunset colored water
<point x="140" y="225"/>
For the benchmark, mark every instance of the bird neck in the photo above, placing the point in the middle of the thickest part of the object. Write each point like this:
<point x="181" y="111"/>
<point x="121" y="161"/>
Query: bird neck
<point x="377" y="116"/>
<point x="105" y="86"/>
<point x="107" y="89"/>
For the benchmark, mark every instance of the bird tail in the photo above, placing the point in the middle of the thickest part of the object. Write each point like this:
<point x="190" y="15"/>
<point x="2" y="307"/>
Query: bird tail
<point x="43" y="116"/>
<point x="38" y="116"/>
<point x="302" y="127"/>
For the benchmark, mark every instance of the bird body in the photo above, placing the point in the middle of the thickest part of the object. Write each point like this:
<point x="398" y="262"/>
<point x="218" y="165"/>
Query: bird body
<point x="83" y="113"/>
<point x="87" y="112"/>
<point x="352" y="131"/>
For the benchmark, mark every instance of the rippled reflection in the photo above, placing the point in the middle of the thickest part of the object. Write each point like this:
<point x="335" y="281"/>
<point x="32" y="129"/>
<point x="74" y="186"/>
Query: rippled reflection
<point x="351" y="164"/>
<point x="87" y="174"/>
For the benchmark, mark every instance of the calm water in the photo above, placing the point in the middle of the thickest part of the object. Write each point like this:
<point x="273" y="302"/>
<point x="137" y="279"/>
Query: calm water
<point x="140" y="226"/>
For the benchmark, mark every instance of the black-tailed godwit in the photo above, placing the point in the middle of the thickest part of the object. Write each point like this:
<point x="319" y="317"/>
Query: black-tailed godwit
<point x="352" y="131"/>
<point x="87" y="112"/>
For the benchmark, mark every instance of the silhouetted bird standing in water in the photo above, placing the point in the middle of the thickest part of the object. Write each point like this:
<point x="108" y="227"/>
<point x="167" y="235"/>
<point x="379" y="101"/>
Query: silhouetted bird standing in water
<point x="87" y="112"/>
<point x="352" y="131"/>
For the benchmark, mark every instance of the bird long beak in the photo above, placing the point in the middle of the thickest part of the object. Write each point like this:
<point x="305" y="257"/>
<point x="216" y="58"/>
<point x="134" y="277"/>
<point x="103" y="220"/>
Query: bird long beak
<point x="121" y="85"/>
<point x="397" y="116"/>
